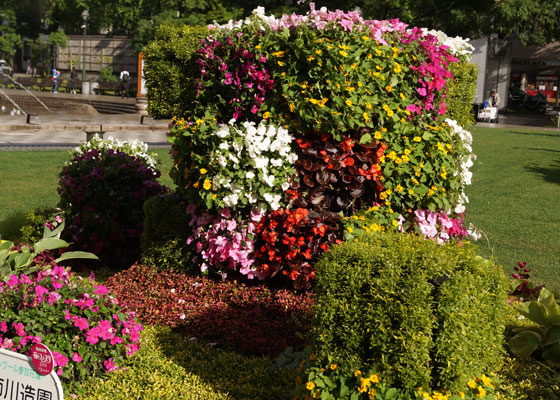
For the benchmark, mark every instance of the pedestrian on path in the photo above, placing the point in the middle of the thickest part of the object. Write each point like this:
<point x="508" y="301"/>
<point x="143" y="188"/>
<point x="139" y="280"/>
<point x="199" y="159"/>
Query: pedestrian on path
<point x="73" y="79"/>
<point x="55" y="76"/>
<point x="124" y="77"/>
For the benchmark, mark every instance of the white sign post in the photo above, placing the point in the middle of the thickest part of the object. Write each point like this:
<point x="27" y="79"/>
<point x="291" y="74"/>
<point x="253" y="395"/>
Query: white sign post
<point x="20" y="381"/>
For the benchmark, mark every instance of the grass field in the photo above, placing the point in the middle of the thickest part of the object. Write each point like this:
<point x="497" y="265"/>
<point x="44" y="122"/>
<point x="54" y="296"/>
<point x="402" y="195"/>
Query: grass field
<point x="514" y="199"/>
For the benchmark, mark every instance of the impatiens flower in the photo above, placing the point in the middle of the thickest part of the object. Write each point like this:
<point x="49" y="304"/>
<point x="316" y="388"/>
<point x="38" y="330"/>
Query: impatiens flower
<point x="101" y="290"/>
<point x="76" y="357"/>
<point x="109" y="365"/>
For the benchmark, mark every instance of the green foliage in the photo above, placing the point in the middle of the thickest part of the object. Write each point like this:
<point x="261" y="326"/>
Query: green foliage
<point x="545" y="312"/>
<point x="34" y="225"/>
<point x="169" y="366"/>
<point x="106" y="74"/>
<point x="417" y="311"/>
<point x="58" y="38"/>
<point x="170" y="70"/>
<point x="329" y="383"/>
<point x="22" y="260"/>
<point x="9" y="39"/>
<point x="460" y="92"/>
<point x="165" y="232"/>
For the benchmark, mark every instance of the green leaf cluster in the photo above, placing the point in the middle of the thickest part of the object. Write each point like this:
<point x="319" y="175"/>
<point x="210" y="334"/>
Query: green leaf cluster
<point x="170" y="70"/>
<point x="166" y="228"/>
<point x="545" y="337"/>
<point x="418" y="311"/>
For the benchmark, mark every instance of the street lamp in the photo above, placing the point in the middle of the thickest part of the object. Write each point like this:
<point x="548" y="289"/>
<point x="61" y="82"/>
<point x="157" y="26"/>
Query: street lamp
<point x="85" y="16"/>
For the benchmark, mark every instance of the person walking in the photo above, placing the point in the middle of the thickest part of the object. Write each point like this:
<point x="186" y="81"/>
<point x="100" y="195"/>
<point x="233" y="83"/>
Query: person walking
<point x="124" y="77"/>
<point x="55" y="76"/>
<point x="73" y="79"/>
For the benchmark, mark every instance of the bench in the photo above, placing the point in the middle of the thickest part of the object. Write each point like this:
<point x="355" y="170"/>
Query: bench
<point x="107" y="86"/>
<point x="31" y="115"/>
<point x="94" y="133"/>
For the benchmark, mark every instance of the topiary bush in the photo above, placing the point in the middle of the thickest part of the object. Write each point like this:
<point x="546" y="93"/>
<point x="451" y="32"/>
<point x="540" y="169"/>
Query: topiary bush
<point x="422" y="313"/>
<point x="102" y="191"/>
<point x="251" y="320"/>
<point x="166" y="228"/>
<point x="82" y="324"/>
<point x="170" y="69"/>
<point x="299" y="122"/>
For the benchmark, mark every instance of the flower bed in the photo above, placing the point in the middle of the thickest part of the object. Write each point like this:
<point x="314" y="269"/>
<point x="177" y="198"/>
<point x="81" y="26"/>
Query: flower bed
<point x="302" y="122"/>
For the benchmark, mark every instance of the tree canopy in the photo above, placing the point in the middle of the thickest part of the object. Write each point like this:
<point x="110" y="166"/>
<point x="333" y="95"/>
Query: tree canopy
<point x="534" y="22"/>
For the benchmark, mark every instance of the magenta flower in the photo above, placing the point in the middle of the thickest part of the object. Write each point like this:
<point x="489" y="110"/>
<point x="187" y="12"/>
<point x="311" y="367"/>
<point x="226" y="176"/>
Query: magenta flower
<point x="81" y="323"/>
<point x="76" y="357"/>
<point x="101" y="290"/>
<point x="109" y="365"/>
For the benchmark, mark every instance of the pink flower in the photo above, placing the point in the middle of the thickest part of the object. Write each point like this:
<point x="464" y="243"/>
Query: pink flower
<point x="109" y="365"/>
<point x="12" y="281"/>
<point x="101" y="290"/>
<point x="421" y="91"/>
<point x="20" y="331"/>
<point x="76" y="357"/>
<point x="59" y="359"/>
<point x="3" y="326"/>
<point x="81" y="323"/>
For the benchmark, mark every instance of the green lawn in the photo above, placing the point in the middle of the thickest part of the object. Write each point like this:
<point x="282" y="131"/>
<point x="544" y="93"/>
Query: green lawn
<point x="515" y="199"/>
<point x="29" y="180"/>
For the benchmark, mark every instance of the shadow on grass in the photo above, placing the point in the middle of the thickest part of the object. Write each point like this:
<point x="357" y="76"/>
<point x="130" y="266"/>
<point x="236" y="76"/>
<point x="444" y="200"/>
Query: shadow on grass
<point x="549" y="174"/>
<point x="9" y="228"/>
<point x="535" y="133"/>
<point x="240" y="376"/>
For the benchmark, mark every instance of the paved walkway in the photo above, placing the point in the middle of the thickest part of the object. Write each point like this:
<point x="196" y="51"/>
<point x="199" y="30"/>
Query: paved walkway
<point x="66" y="131"/>
<point x="62" y="131"/>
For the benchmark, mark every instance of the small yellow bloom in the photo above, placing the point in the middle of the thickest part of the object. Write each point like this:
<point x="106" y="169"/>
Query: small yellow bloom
<point x="481" y="392"/>
<point x="374" y="378"/>
<point x="417" y="139"/>
<point x="266" y="115"/>
<point x="371" y="394"/>
<point x="280" y="63"/>
<point x="310" y="58"/>
<point x="410" y="192"/>
<point x="318" y="52"/>
<point x="343" y="53"/>
<point x="399" y="188"/>
<point x="395" y="222"/>
<point x="389" y="88"/>
<point x="203" y="171"/>
<point x="461" y="394"/>
<point x="471" y="384"/>
<point x="366" y="117"/>
<point x="349" y="229"/>
<point x="334" y="366"/>
<point x="485" y="380"/>
<point x="292" y="107"/>
<point x="365" y="37"/>
<point x="397" y="68"/>
<point x="407" y="151"/>
<point x="207" y="184"/>
<point x="348" y="102"/>
<point x="196" y="185"/>
<point x="199" y="122"/>
<point x="378" y="52"/>
<point x="310" y="385"/>
<point x="377" y="135"/>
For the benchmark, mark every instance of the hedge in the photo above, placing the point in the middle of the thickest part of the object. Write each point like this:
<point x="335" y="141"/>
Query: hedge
<point x="419" y="312"/>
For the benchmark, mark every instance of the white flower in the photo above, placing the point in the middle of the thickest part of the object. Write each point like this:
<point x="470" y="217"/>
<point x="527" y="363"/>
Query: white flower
<point x="251" y="197"/>
<point x="231" y="199"/>
<point x="224" y="146"/>
<point x="182" y="316"/>
<point x="277" y="162"/>
<point x="269" y="179"/>
<point x="172" y="290"/>
<point x="473" y="232"/>
<point x="223" y="132"/>
<point x="250" y="175"/>
<point x="285" y="186"/>
<point x="261" y="162"/>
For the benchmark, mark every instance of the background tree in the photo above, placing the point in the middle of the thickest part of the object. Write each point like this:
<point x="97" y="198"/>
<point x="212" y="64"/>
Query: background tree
<point x="9" y="39"/>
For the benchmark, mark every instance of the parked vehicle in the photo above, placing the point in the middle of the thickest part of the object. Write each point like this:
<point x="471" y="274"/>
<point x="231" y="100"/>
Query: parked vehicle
<point x="533" y="103"/>
<point x="5" y="68"/>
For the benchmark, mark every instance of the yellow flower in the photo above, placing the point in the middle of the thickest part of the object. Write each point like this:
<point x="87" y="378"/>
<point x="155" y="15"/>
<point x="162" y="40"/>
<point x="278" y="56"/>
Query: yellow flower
<point x="365" y="37"/>
<point x="292" y="107"/>
<point x="377" y="135"/>
<point x="310" y="385"/>
<point x="196" y="185"/>
<point x="378" y="52"/>
<point x="399" y="188"/>
<point x="383" y="195"/>
<point x="407" y="151"/>
<point x="348" y="102"/>
<point x="397" y="68"/>
<point x="280" y="63"/>
<point x="318" y="52"/>
<point x="410" y="192"/>
<point x="395" y="222"/>
<point x="349" y="229"/>
<point x="199" y="122"/>
<point x="405" y="158"/>
<point x="343" y="53"/>
<point x="374" y="378"/>
<point x="266" y="115"/>
<point x="461" y="394"/>
<point x="389" y="88"/>
<point x="203" y="171"/>
<point x="334" y="366"/>
<point x="398" y="160"/>
<point x="417" y="139"/>
<point x="358" y="372"/>
<point x="471" y="384"/>
<point x="366" y="117"/>
<point x="415" y="181"/>
<point x="369" y="55"/>
<point x="481" y="392"/>
<point x="207" y="184"/>
<point x="485" y="380"/>
<point x="371" y="394"/>
<point x="364" y="384"/>
<point x="214" y="195"/>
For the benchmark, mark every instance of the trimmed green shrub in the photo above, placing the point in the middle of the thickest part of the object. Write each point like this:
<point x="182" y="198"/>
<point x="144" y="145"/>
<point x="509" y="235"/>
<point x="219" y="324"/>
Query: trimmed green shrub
<point x="423" y="313"/>
<point x="460" y="93"/>
<point x="166" y="228"/>
<point x="34" y="225"/>
<point x="170" y="69"/>
<point x="170" y="366"/>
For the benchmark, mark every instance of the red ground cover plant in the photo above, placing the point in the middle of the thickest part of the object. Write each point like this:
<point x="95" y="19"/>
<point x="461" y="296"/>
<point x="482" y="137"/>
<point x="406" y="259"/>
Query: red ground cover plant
<point x="252" y="320"/>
